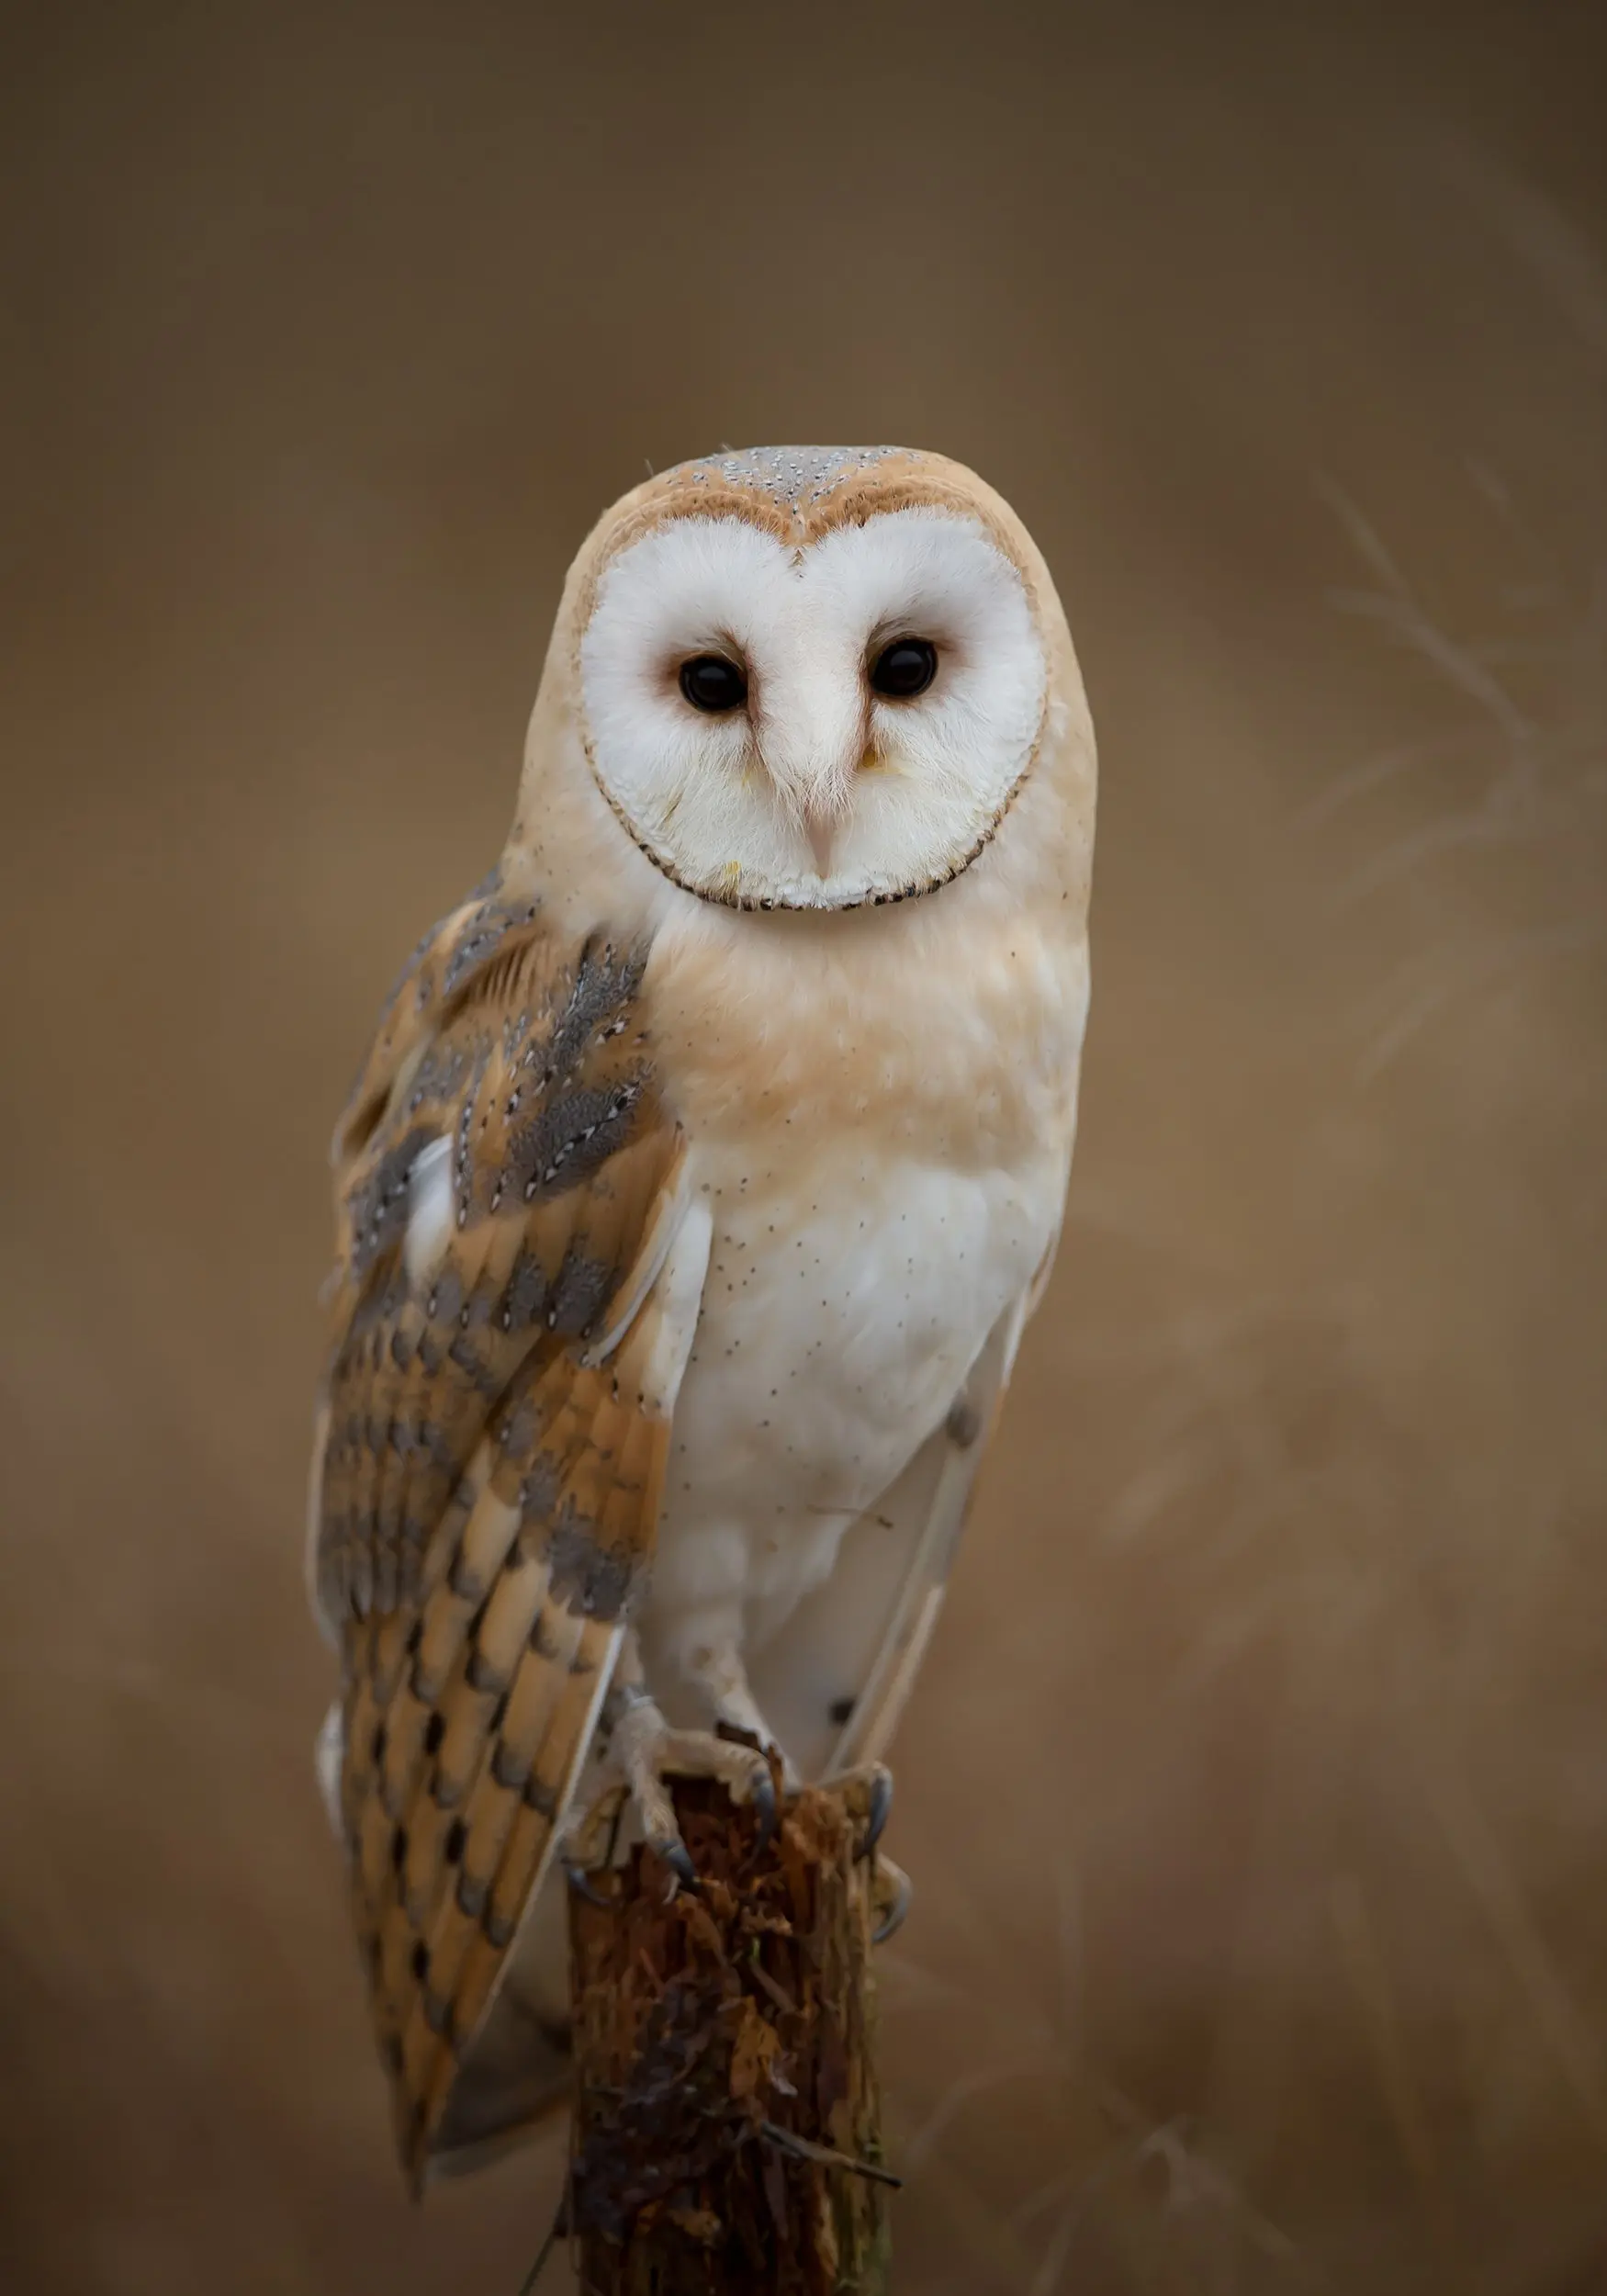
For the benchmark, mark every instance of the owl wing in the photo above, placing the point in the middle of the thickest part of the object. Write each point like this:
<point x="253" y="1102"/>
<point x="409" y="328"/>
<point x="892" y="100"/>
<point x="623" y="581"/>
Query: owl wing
<point x="519" y="1273"/>
<point x="836" y="1680"/>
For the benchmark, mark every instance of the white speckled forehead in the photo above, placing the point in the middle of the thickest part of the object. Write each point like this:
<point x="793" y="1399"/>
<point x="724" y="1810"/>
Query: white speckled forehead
<point x="792" y="478"/>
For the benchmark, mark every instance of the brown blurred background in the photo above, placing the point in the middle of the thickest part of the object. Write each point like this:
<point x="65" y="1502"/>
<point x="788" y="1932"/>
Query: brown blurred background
<point x="1259" y="1942"/>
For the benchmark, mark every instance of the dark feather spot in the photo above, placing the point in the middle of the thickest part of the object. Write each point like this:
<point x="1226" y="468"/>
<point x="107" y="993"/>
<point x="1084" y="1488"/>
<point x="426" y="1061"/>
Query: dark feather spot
<point x="580" y="1293"/>
<point x="434" y="1731"/>
<point x="464" y="1579"/>
<point x="525" y="1298"/>
<point x="964" y="1424"/>
<point x="480" y="1673"/>
<point x="456" y="1835"/>
<point x="590" y="1579"/>
<point x="509" y="1769"/>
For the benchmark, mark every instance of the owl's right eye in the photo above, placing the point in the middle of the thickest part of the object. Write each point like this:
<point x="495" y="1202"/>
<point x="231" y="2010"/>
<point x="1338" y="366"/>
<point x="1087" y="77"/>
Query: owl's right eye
<point x="710" y="682"/>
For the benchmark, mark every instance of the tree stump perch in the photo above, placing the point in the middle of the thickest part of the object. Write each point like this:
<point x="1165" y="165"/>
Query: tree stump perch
<point x="727" y="2123"/>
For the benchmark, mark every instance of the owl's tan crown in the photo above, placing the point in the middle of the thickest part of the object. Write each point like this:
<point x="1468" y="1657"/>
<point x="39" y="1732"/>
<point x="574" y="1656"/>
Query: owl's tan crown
<point x="799" y="494"/>
<point x="802" y="492"/>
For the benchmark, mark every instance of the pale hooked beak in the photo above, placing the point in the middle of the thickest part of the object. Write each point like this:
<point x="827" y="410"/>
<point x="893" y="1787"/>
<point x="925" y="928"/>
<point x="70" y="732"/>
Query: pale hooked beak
<point x="820" y="827"/>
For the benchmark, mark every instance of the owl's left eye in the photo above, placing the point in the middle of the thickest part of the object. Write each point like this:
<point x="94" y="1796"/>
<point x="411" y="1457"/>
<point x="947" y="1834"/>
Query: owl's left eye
<point x="905" y="669"/>
<point x="712" y="683"/>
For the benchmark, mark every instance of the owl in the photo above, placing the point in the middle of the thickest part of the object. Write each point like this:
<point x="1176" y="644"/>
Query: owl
<point x="707" y="1164"/>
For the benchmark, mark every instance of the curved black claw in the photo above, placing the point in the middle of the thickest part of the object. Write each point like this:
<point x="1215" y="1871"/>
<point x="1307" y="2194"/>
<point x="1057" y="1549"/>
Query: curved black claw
<point x="767" y="1810"/>
<point x="674" y="1852"/>
<point x="876" y="1818"/>
<point x="582" y="1883"/>
<point x="894" y="1918"/>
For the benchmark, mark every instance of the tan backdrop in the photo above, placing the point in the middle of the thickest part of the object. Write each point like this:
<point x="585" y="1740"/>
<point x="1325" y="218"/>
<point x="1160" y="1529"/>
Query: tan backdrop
<point x="1255" y="1796"/>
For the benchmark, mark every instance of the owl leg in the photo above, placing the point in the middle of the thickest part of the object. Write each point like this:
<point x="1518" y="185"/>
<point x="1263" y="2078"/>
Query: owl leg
<point x="650" y="1754"/>
<point x="645" y="1752"/>
<point x="716" y="1669"/>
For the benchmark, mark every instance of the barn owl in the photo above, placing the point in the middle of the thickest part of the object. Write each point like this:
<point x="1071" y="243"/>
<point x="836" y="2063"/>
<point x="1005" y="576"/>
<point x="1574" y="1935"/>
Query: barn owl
<point x="706" y="1166"/>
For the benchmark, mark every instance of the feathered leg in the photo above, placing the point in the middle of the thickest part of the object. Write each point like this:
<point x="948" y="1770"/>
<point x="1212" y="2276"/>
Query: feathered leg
<point x="643" y="1751"/>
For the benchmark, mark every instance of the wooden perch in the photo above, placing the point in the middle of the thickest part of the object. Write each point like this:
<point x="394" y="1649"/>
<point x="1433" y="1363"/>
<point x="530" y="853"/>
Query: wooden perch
<point x="727" y="2124"/>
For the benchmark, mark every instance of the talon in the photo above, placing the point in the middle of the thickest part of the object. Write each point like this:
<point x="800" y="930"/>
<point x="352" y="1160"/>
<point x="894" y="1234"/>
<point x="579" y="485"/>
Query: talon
<point x="876" y="1819"/>
<point x="673" y="1851"/>
<point x="767" y="1811"/>
<point x="582" y="1883"/>
<point x="894" y="1918"/>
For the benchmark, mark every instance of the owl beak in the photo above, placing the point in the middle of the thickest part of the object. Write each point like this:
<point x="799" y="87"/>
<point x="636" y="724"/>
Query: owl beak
<point x="820" y="823"/>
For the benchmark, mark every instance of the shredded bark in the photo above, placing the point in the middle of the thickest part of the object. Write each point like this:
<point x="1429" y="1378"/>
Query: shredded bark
<point x="727" y="2126"/>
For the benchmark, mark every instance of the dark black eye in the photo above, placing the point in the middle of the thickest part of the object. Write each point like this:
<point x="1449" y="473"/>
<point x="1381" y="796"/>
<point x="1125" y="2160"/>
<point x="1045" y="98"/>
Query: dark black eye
<point x="905" y="669"/>
<point x="711" y="683"/>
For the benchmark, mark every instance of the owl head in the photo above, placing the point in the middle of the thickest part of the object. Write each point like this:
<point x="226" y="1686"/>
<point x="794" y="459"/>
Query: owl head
<point x="807" y="679"/>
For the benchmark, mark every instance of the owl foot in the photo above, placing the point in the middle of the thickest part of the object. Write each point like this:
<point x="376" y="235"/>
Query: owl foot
<point x="643" y="1747"/>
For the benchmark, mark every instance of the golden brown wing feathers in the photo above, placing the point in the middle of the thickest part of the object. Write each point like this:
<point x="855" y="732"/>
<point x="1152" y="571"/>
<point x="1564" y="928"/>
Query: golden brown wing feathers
<point x="489" y="1492"/>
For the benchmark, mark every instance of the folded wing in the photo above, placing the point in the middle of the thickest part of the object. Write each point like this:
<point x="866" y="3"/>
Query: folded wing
<point x="518" y="1279"/>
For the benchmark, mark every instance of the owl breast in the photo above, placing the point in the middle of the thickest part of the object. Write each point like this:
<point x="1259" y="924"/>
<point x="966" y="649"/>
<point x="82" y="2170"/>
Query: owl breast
<point x="881" y="1121"/>
<point x="841" y="1313"/>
